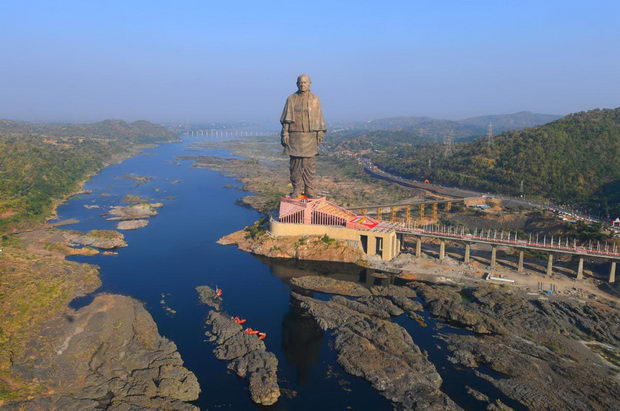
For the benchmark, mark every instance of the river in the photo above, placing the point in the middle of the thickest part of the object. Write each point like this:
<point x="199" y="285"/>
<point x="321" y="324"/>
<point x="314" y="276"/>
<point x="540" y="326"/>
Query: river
<point x="177" y="251"/>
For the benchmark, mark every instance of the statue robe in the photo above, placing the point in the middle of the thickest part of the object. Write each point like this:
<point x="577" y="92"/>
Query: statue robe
<point x="302" y="112"/>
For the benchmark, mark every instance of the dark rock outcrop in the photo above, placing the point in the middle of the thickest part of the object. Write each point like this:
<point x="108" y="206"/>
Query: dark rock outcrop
<point x="447" y="303"/>
<point x="379" y="351"/>
<point x="539" y="352"/>
<point x="535" y="344"/>
<point x="248" y="355"/>
<point x="556" y="373"/>
<point x="330" y="286"/>
<point x="261" y="368"/>
<point x="208" y="296"/>
<point x="375" y="306"/>
<point x="393" y="291"/>
<point x="107" y="355"/>
<point x="407" y="304"/>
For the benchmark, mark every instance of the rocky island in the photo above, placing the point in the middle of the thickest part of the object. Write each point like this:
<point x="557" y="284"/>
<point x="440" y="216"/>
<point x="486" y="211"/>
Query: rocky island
<point x="247" y="353"/>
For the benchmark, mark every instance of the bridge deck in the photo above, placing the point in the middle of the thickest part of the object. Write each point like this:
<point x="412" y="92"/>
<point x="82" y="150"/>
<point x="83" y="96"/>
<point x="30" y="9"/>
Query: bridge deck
<point x="556" y="248"/>
<point x="414" y="203"/>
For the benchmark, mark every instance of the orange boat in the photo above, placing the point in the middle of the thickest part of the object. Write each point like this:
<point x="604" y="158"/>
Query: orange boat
<point x="262" y="336"/>
<point x="239" y="320"/>
<point x="250" y="331"/>
<point x="218" y="292"/>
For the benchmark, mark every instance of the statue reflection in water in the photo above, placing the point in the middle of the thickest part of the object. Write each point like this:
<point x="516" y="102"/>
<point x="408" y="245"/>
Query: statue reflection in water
<point x="301" y="341"/>
<point x="302" y="338"/>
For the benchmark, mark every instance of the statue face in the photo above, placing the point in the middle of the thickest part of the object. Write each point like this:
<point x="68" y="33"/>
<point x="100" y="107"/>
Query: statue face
<point x="303" y="83"/>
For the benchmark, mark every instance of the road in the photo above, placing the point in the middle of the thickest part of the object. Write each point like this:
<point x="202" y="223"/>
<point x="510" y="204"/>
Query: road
<point x="375" y="171"/>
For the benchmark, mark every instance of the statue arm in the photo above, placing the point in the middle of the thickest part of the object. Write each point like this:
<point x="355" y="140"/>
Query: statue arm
<point x="284" y="134"/>
<point x="285" y="120"/>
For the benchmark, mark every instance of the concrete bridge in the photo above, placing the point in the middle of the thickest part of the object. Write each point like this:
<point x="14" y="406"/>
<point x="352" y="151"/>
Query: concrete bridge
<point x="546" y="244"/>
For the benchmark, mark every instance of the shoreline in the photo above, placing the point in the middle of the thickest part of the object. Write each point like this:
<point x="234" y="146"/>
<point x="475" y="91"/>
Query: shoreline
<point x="80" y="186"/>
<point x="43" y="284"/>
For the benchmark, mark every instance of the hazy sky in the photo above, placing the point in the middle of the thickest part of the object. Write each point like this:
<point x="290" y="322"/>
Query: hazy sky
<point x="237" y="60"/>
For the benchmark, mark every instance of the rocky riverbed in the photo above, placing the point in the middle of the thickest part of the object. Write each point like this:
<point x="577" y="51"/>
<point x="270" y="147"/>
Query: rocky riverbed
<point x="107" y="355"/>
<point x="372" y="347"/>
<point x="52" y="241"/>
<point x="537" y="352"/>
<point x="537" y="346"/>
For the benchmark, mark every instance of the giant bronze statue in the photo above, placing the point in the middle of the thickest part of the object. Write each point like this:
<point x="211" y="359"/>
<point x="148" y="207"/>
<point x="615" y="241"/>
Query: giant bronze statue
<point x="303" y="129"/>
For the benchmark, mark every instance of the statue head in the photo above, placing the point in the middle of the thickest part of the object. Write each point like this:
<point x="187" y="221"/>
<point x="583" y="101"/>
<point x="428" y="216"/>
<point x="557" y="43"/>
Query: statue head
<point x="303" y="82"/>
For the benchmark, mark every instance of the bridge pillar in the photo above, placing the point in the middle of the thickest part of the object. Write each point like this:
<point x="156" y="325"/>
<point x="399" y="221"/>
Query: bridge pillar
<point x="493" y="256"/>
<point x="408" y="214"/>
<point x="467" y="257"/>
<point x="435" y="211"/>
<point x="612" y="272"/>
<point x="393" y="211"/>
<point x="418" y="247"/>
<point x="550" y="264"/>
<point x="448" y="205"/>
<point x="442" y="250"/>
<point x="580" y="269"/>
<point x="379" y="217"/>
<point x="520" y="264"/>
<point x="421" y="210"/>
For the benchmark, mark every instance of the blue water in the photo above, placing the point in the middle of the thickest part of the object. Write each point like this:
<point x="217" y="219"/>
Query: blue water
<point x="177" y="251"/>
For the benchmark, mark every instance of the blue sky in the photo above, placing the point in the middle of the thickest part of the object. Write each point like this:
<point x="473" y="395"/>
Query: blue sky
<point x="238" y="60"/>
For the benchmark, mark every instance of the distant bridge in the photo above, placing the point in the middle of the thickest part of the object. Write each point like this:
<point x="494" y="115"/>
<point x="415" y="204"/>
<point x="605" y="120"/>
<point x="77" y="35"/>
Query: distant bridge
<point x="225" y="133"/>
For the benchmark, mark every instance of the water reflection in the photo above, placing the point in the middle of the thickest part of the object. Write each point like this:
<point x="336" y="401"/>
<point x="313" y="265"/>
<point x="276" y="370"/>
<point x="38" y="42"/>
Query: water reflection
<point x="301" y="341"/>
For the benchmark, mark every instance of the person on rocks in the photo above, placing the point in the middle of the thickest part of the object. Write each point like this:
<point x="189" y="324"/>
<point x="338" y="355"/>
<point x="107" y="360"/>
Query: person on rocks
<point x="303" y="129"/>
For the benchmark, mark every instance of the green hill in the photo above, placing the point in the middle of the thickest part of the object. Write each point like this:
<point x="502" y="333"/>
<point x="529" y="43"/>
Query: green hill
<point x="40" y="164"/>
<point x="574" y="160"/>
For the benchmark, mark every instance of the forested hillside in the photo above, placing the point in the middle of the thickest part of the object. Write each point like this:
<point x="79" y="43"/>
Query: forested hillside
<point x="575" y="159"/>
<point x="43" y="163"/>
